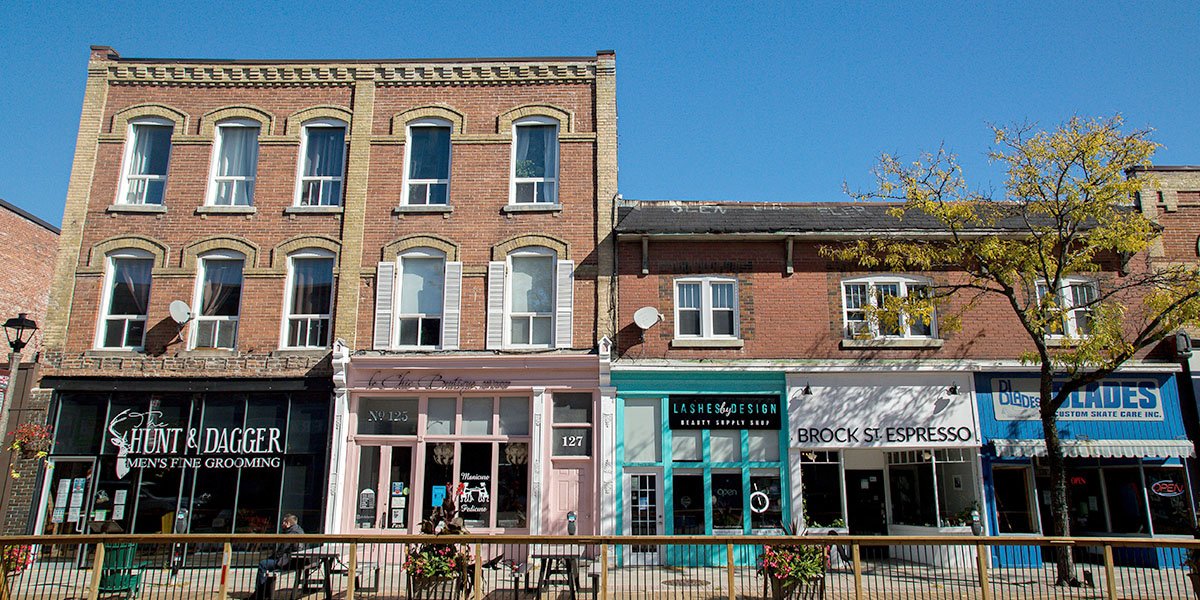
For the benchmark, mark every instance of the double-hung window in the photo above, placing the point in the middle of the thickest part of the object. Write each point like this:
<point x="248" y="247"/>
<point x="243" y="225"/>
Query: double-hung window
<point x="126" y="297"/>
<point x="427" y="176"/>
<point x="218" y="300"/>
<point x="235" y="163"/>
<point x="1076" y="298"/>
<point x="864" y="299"/>
<point x="706" y="308"/>
<point x="421" y="298"/>
<point x="531" y="298"/>
<point x="146" y="156"/>
<point x="322" y="163"/>
<point x="535" y="161"/>
<point x="310" y="299"/>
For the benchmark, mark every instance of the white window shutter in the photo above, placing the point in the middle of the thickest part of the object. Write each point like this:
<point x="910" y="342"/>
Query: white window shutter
<point x="385" y="295"/>
<point x="451" y="305"/>
<point x="495" y="304"/>
<point x="564" y="304"/>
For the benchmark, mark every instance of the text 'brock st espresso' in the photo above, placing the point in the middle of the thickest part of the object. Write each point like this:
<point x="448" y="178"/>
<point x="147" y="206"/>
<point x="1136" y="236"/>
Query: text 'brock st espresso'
<point x="889" y="435"/>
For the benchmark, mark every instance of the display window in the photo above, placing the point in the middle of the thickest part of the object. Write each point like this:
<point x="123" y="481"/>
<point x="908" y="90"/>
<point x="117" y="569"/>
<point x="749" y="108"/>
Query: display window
<point x="821" y="491"/>
<point x="1014" y="510"/>
<point x="1132" y="497"/>
<point x="932" y="488"/>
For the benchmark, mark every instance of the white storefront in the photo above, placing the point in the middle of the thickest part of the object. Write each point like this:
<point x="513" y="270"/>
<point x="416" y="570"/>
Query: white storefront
<point x="885" y="453"/>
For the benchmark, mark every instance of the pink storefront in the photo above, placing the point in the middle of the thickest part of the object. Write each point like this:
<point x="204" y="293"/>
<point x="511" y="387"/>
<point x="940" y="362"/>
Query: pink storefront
<point x="521" y="433"/>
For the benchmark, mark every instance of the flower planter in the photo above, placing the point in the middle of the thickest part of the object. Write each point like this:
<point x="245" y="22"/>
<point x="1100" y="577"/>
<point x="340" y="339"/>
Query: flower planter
<point x="813" y="589"/>
<point x="433" y="588"/>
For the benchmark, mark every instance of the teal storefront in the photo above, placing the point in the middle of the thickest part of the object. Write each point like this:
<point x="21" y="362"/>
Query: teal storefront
<point x="700" y="453"/>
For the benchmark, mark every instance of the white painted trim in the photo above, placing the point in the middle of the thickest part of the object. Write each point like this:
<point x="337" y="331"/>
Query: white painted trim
<point x="394" y="337"/>
<point x="326" y="123"/>
<point x="289" y="291"/>
<point x="512" y="162"/>
<point x="218" y="141"/>
<point x="706" y="307"/>
<point x="902" y="282"/>
<point x="198" y="293"/>
<point x="127" y="158"/>
<point x="529" y="252"/>
<point x="425" y="122"/>
<point x="106" y="297"/>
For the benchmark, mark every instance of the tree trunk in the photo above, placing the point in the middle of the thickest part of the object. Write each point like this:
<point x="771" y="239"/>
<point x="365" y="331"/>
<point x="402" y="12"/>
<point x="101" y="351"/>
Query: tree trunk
<point x="1059" y="509"/>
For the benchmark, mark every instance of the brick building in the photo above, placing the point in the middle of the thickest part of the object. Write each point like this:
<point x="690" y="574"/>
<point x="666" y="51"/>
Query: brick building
<point x="755" y="392"/>
<point x="359" y="252"/>
<point x="27" y="249"/>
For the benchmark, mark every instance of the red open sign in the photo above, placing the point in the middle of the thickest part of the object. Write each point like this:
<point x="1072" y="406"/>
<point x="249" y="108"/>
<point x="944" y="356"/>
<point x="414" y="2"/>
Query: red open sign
<point x="1167" y="488"/>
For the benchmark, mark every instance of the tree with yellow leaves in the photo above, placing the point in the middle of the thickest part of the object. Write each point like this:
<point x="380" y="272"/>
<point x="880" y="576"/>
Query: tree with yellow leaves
<point x="1066" y="213"/>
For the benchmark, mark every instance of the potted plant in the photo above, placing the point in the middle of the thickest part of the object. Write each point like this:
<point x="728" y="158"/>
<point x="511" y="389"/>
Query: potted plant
<point x="440" y="570"/>
<point x="31" y="440"/>
<point x="13" y="560"/>
<point x="794" y="571"/>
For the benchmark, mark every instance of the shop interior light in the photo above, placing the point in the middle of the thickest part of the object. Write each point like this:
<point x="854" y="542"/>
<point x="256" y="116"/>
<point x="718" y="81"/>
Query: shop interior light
<point x="517" y="453"/>
<point x="443" y="454"/>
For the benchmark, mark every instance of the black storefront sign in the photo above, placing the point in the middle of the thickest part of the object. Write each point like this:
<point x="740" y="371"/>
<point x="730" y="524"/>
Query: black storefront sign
<point x="724" y="411"/>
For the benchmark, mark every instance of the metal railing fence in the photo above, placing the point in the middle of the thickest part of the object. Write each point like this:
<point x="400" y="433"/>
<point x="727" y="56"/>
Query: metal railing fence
<point x="501" y="567"/>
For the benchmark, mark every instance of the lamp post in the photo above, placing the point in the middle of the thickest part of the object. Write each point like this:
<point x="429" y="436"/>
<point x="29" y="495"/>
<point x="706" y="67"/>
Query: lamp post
<point x="19" y="331"/>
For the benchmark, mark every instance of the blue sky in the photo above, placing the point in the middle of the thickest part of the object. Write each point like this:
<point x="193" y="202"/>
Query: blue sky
<point x="729" y="101"/>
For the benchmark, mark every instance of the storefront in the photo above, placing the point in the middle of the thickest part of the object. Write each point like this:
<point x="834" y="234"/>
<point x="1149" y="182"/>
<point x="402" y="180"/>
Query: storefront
<point x="519" y="434"/>
<point x="885" y="453"/>
<point x="1125" y="446"/>
<point x="699" y="454"/>
<point x="224" y="456"/>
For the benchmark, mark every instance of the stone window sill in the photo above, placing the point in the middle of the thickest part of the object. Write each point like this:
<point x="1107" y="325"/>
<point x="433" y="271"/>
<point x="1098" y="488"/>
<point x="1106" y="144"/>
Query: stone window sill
<point x="302" y="352"/>
<point x="226" y="210"/>
<point x="313" y="210"/>
<point x="136" y="208"/>
<point x="707" y="343"/>
<point x="114" y="353"/>
<point x="914" y="344"/>
<point x="1062" y="342"/>
<point x="208" y="353"/>
<point x="419" y="209"/>
<point x="532" y="208"/>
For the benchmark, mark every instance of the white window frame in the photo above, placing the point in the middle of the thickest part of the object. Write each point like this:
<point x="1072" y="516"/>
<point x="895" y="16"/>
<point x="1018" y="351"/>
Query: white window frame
<point x="288" y="297"/>
<point x="110" y="271"/>
<point x="127" y="162"/>
<point x="903" y="284"/>
<point x="301" y="178"/>
<point x="398" y="316"/>
<point x="218" y="141"/>
<point x="530" y="251"/>
<point x="198" y="297"/>
<point x="1070" y="325"/>
<point x="513" y="180"/>
<point x="706" y="308"/>
<point x="408" y="179"/>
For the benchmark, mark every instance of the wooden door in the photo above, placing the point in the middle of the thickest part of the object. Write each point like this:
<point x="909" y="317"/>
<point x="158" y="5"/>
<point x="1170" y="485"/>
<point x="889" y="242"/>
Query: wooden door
<point x="571" y="491"/>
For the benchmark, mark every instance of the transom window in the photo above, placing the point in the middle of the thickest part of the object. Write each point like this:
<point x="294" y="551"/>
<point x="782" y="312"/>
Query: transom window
<point x="218" y="300"/>
<point x="535" y="161"/>
<point x="147" y="154"/>
<point x="1076" y="298"/>
<point x="421" y="298"/>
<point x="531" y="298"/>
<point x="860" y="297"/>
<point x="235" y="163"/>
<point x="310" y="299"/>
<point x="427" y="176"/>
<point x="126" y="297"/>
<point x="322" y="163"/>
<point x="706" y="308"/>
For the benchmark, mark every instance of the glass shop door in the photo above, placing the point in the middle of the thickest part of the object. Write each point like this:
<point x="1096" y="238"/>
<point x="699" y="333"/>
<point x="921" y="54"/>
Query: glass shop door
<point x="66" y="504"/>
<point x="384" y="488"/>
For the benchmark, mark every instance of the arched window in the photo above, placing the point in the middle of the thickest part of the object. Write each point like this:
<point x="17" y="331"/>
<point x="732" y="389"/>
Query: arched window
<point x="421" y="273"/>
<point x="147" y="153"/>
<point x="1076" y="297"/>
<point x="322" y="163"/>
<point x="125" y="301"/>
<point x="218" y="299"/>
<point x="427" y="160"/>
<point x="308" y="305"/>
<point x="535" y="161"/>
<point x="864" y="295"/>
<point x="235" y="163"/>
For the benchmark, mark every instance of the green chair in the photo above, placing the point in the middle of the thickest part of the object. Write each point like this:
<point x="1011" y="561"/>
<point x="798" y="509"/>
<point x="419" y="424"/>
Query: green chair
<point x="119" y="574"/>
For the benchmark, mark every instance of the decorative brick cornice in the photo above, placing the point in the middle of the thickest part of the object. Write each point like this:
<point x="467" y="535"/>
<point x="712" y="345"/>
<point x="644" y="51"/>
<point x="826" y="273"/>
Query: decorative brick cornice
<point x="560" y="247"/>
<point x="416" y="73"/>
<point x="61" y="364"/>
<point x="393" y="249"/>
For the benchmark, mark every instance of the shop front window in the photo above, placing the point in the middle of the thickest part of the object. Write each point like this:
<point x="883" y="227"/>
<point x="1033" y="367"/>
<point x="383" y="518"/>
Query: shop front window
<point x="725" y="446"/>
<point x="475" y="473"/>
<point x="688" y="503"/>
<point x="440" y="416"/>
<point x="512" y="498"/>
<point x="439" y="473"/>
<point x="910" y="479"/>
<point x="387" y="416"/>
<point x="643" y="431"/>
<point x="686" y="446"/>
<point x="821" y="489"/>
<point x="1126" y="500"/>
<point x="955" y="487"/>
<point x="368" y="485"/>
<point x="1085" y="494"/>
<point x="1013" y="511"/>
<point x="727" y="501"/>
<point x="1169" y="500"/>
<point x="766" y="501"/>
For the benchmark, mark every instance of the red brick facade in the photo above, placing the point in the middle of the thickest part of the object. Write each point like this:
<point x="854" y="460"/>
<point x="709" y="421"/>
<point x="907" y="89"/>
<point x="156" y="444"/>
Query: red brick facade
<point x="27" y="248"/>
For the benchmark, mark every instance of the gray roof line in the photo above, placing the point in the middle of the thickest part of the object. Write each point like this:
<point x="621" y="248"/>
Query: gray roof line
<point x="29" y="216"/>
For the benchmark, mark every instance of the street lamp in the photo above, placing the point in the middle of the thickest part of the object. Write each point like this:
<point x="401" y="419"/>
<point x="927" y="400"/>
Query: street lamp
<point x="16" y="329"/>
<point x="19" y="331"/>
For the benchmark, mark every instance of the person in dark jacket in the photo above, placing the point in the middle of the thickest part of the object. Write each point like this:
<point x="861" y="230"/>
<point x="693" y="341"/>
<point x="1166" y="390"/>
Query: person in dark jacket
<point x="280" y="558"/>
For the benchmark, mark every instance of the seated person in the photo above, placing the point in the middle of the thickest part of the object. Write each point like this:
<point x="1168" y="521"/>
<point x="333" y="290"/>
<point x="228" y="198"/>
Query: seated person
<point x="279" y="559"/>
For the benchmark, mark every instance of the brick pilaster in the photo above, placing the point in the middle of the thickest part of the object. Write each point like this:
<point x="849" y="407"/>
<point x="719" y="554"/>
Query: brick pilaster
<point x="606" y="191"/>
<point x="357" y="169"/>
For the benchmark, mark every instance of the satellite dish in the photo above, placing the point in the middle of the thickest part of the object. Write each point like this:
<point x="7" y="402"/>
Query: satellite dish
<point x="646" y="317"/>
<point x="180" y="312"/>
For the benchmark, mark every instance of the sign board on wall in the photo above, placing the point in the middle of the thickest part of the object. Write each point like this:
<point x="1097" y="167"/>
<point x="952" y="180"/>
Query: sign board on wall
<point x="143" y="441"/>
<point x="869" y="411"/>
<point x="1017" y="399"/>
<point x="724" y="411"/>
